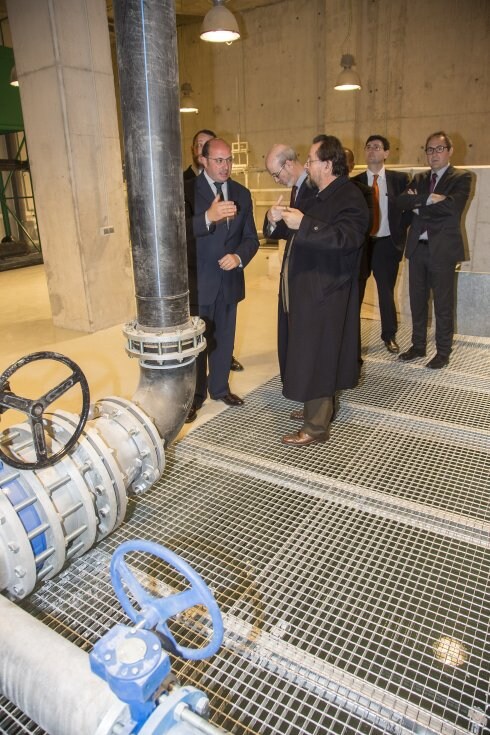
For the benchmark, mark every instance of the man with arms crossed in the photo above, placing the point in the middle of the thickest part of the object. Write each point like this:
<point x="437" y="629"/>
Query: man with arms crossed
<point x="437" y="199"/>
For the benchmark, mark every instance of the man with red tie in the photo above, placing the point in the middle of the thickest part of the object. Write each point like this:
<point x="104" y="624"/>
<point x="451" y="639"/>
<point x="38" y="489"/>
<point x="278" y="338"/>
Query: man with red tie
<point x="388" y="233"/>
<point x="436" y="199"/>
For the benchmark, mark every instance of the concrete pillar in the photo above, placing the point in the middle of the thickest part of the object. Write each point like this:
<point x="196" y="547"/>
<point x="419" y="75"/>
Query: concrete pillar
<point x="63" y="61"/>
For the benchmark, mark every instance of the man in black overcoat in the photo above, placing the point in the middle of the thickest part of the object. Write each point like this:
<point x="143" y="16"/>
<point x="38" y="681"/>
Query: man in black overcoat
<point x="321" y="293"/>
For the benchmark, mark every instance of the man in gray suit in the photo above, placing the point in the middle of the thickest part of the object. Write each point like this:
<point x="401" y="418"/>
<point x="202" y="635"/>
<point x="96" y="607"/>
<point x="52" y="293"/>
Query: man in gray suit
<point x="437" y="199"/>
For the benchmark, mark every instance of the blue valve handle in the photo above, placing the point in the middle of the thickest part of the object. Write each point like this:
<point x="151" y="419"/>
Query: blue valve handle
<point x="155" y="611"/>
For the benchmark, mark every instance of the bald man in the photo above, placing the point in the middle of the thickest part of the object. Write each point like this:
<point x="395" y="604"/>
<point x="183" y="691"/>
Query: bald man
<point x="284" y="166"/>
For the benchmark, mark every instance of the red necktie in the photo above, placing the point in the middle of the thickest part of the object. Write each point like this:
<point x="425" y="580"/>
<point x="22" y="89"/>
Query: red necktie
<point x="376" y="212"/>
<point x="433" y="182"/>
<point x="292" y="200"/>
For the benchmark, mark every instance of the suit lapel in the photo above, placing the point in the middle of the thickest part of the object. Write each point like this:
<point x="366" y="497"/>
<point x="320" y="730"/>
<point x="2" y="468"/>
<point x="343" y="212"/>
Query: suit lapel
<point x="203" y="190"/>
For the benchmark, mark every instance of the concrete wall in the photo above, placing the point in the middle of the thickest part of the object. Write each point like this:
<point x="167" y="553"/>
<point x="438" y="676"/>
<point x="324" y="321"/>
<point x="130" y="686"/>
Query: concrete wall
<point x="422" y="66"/>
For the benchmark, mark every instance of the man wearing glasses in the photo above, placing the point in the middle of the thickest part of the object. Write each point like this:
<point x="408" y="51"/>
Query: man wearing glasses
<point x="322" y="292"/>
<point x="221" y="241"/>
<point x="285" y="168"/>
<point x="435" y="245"/>
<point x="388" y="232"/>
<point x="198" y="141"/>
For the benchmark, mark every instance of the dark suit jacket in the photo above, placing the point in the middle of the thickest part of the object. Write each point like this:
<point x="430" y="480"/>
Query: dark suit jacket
<point x="304" y="198"/>
<point x="442" y="221"/>
<point x="396" y="183"/>
<point x="365" y="266"/>
<point x="205" y="247"/>
<point x="189" y="174"/>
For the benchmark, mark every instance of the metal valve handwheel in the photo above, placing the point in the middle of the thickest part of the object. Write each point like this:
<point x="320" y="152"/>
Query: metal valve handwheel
<point x="35" y="409"/>
<point x="155" y="611"/>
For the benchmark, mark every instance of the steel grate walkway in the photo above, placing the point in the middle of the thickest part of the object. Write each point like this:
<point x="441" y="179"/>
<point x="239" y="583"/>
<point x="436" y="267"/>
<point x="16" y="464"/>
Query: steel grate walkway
<point x="352" y="576"/>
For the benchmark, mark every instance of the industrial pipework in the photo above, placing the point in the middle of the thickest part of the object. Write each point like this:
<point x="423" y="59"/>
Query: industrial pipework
<point x="126" y="684"/>
<point x="164" y="337"/>
<point x="64" y="481"/>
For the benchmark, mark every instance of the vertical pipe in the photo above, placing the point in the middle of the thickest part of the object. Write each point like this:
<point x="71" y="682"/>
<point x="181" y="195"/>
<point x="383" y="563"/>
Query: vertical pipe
<point x="148" y="74"/>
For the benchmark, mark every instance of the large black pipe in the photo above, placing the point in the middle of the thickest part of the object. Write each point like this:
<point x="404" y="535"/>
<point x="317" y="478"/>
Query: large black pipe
<point x="148" y="78"/>
<point x="148" y="75"/>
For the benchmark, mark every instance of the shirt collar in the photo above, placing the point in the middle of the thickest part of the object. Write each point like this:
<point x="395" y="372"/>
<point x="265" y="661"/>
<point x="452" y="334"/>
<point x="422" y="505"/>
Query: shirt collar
<point x="301" y="178"/>
<point x="212" y="183"/>
<point x="441" y="171"/>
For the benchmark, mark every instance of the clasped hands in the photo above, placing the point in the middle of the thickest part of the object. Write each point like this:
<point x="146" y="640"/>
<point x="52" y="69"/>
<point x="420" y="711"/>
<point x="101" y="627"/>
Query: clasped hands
<point x="291" y="216"/>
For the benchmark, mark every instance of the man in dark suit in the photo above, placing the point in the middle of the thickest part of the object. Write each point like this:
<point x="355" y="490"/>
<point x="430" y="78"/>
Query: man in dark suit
<point x="388" y="232"/>
<point x="221" y="241"/>
<point x="285" y="168"/>
<point x="321" y="293"/>
<point x="436" y="199"/>
<point x="196" y="149"/>
<point x="198" y="141"/>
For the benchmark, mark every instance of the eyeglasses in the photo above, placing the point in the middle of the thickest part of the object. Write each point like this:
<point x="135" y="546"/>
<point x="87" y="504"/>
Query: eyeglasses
<point x="309" y="161"/>
<point x="437" y="149"/>
<point x="219" y="161"/>
<point x="370" y="147"/>
<point x="277" y="174"/>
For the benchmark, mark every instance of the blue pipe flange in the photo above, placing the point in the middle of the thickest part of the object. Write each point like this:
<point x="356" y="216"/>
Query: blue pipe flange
<point x="156" y="611"/>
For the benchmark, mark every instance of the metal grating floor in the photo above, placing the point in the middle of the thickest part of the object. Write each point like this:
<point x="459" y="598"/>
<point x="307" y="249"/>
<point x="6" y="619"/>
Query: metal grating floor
<point x="353" y="576"/>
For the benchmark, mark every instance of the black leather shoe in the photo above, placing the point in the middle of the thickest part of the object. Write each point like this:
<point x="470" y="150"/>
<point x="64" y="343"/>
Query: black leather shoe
<point x="192" y="415"/>
<point x="298" y="439"/>
<point x="231" y="400"/>
<point x="438" y="361"/>
<point x="392" y="346"/>
<point x="411" y="354"/>
<point x="235" y="365"/>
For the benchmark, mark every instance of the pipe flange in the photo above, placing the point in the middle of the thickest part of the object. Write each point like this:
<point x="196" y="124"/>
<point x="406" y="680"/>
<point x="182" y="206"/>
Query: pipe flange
<point x="166" y="349"/>
<point x="141" y="432"/>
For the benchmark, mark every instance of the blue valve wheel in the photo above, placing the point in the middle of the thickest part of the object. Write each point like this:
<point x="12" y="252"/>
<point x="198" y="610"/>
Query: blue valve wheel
<point x="156" y="611"/>
<point x="35" y="409"/>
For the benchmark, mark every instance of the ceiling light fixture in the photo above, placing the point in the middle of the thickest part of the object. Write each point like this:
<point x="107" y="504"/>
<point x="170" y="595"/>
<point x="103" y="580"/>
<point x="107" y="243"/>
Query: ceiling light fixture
<point x="219" y="24"/>
<point x="348" y="79"/>
<point x="187" y="104"/>
<point x="14" y="81"/>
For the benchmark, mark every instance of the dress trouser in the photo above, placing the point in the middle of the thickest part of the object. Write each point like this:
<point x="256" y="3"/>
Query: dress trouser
<point x="220" y="320"/>
<point x="385" y="261"/>
<point x="424" y="276"/>
<point x="317" y="414"/>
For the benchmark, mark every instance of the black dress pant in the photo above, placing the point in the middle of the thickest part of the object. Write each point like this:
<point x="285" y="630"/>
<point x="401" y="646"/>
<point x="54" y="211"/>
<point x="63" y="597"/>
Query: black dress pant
<point x="213" y="364"/>
<point x="385" y="261"/>
<point x="425" y="277"/>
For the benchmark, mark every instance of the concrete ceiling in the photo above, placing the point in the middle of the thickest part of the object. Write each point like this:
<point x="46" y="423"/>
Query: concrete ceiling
<point x="189" y="11"/>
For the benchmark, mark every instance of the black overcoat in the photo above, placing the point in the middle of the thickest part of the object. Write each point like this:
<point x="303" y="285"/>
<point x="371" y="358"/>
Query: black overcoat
<point x="323" y="326"/>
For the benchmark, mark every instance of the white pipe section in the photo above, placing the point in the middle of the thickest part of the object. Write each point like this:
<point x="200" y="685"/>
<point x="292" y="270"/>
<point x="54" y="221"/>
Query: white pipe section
<point x="50" y="679"/>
